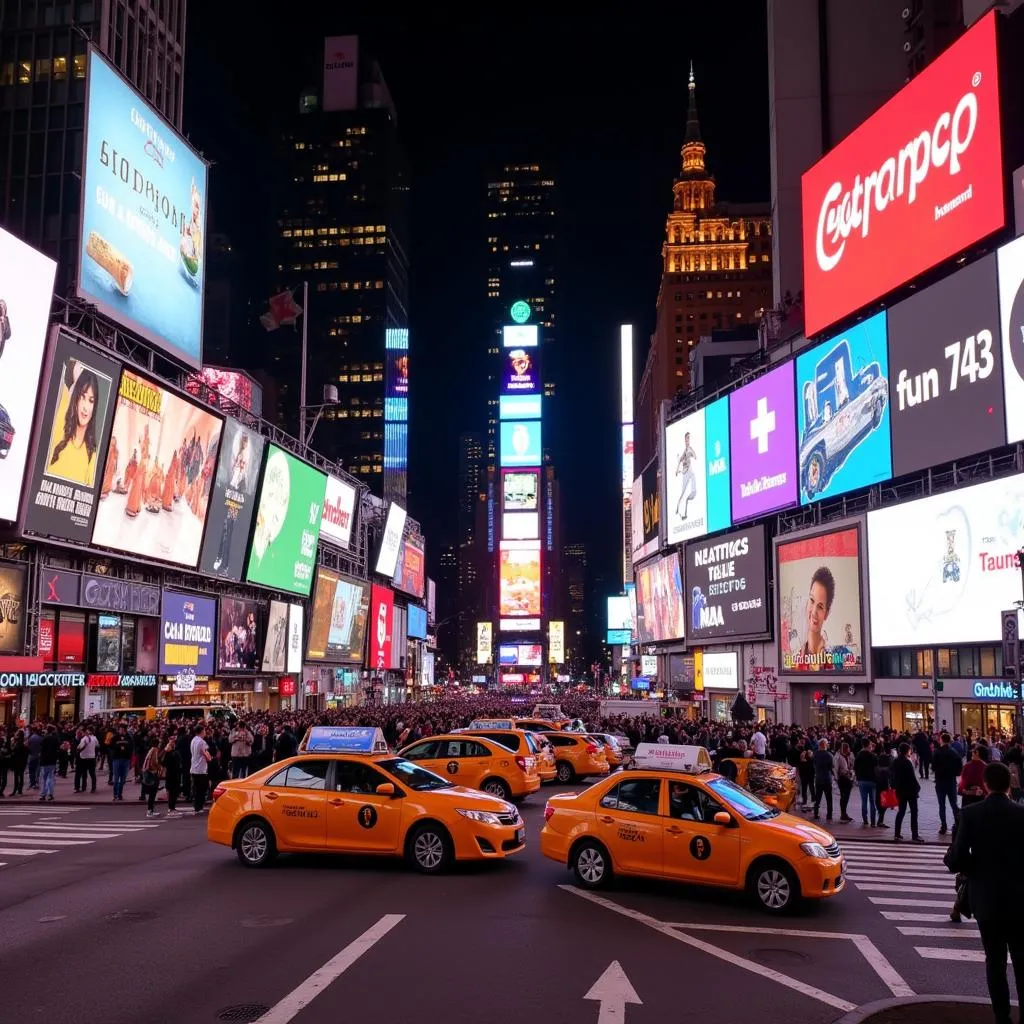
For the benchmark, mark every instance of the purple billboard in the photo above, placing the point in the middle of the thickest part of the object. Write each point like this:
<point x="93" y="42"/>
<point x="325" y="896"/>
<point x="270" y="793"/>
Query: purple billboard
<point x="187" y="638"/>
<point x="762" y="428"/>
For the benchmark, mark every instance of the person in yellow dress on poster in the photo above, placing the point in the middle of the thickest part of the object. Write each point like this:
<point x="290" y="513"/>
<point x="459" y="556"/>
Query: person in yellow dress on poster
<point x="73" y="441"/>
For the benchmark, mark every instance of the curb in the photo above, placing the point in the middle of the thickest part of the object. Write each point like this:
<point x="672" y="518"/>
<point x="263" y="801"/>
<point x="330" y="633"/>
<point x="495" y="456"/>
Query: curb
<point x="862" y="1013"/>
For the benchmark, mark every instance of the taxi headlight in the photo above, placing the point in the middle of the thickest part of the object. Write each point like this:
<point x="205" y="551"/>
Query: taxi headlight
<point x="484" y="817"/>
<point x="814" y="850"/>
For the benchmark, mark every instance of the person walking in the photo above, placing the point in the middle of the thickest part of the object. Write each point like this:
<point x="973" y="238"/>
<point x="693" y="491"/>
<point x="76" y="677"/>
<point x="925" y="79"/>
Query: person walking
<point x="904" y="781"/>
<point x="19" y="759"/>
<point x="922" y="744"/>
<point x="824" y="769"/>
<point x="241" y="750"/>
<point x="199" y="768"/>
<point x="49" y="755"/>
<point x="972" y="778"/>
<point x="171" y="762"/>
<point x="946" y="766"/>
<point x="120" y="760"/>
<point x="85" y="764"/>
<point x="805" y="771"/>
<point x="865" y="765"/>
<point x="151" y="770"/>
<point x="844" y="780"/>
<point x="989" y="838"/>
<point x="5" y="761"/>
<point x="35" y="746"/>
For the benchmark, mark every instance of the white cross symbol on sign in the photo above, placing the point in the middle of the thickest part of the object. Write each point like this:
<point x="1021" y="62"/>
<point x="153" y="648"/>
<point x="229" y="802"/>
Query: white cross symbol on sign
<point x="762" y="425"/>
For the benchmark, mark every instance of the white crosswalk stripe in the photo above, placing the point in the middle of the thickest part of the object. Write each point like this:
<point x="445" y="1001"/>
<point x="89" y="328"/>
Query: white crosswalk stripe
<point x="912" y="881"/>
<point x="31" y="833"/>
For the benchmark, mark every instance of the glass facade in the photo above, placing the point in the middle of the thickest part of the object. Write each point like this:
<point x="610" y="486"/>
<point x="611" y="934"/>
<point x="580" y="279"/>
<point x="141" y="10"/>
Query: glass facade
<point x="983" y="719"/>
<point x="909" y="716"/>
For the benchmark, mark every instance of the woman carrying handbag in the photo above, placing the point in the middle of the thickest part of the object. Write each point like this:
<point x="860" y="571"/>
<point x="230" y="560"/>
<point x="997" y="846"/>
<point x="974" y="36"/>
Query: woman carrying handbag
<point x="887" y="799"/>
<point x="151" y="770"/>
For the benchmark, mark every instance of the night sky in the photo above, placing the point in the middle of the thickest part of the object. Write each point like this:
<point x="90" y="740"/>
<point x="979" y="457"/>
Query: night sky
<point x="601" y="98"/>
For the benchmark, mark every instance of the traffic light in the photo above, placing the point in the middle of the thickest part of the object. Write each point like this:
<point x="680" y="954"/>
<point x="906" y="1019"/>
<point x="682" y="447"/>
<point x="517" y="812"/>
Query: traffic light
<point x="939" y="684"/>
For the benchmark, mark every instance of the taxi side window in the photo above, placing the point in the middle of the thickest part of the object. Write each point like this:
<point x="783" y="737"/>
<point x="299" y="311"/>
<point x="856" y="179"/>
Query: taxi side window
<point x="639" y="796"/>
<point x="560" y="741"/>
<point x="353" y="777"/>
<point x="423" y="751"/>
<point x="691" y="804"/>
<point x="463" y="748"/>
<point x="301" y="775"/>
<point x="531" y="743"/>
<point x="508" y="742"/>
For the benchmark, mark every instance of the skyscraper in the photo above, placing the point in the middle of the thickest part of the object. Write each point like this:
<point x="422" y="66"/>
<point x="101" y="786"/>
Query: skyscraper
<point x="521" y="228"/>
<point x="472" y="483"/>
<point x="472" y="546"/>
<point x="42" y="104"/>
<point x="716" y="273"/>
<point x="574" y="567"/>
<point x="342" y="226"/>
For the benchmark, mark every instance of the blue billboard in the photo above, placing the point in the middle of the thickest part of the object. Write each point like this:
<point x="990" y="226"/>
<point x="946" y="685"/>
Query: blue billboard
<point x="142" y="258"/>
<point x="519" y="407"/>
<point x="716" y="453"/>
<point x="842" y="388"/>
<point x="417" y="627"/>
<point x="520" y="443"/>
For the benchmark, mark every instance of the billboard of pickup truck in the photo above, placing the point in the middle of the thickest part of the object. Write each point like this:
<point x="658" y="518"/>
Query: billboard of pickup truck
<point x="843" y="412"/>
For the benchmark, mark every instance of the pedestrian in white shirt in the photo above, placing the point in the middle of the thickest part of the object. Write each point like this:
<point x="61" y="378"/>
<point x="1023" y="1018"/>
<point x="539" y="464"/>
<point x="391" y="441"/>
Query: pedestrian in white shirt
<point x="200" y="768"/>
<point x="758" y="744"/>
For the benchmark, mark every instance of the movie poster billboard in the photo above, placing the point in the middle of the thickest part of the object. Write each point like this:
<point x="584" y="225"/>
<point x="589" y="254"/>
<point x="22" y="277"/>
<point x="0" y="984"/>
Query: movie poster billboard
<point x="187" y="634"/>
<point x="26" y="290"/>
<point x="275" y="647"/>
<point x="158" y="473"/>
<point x="382" y="614"/>
<point x="337" y="629"/>
<point x="142" y="256"/>
<point x="661" y="611"/>
<point x="12" y="608"/>
<point x="73" y="434"/>
<point x="519" y="578"/>
<point x="288" y="515"/>
<point x="411" y="571"/>
<point x="232" y="502"/>
<point x="820" y="607"/>
<point x="238" y="635"/>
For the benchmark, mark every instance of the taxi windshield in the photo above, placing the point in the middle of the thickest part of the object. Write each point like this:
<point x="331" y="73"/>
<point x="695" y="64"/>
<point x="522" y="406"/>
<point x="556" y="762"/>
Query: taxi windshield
<point x="741" y="801"/>
<point x="412" y="775"/>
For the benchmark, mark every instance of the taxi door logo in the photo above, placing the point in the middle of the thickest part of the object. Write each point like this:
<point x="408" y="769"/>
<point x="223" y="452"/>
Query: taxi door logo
<point x="452" y="767"/>
<point x="700" y="848"/>
<point x="367" y="816"/>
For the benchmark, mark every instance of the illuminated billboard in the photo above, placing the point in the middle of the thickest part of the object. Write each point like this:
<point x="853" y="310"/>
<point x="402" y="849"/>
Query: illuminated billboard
<point x="519" y="336"/>
<point x="520" y="443"/>
<point x="338" y="513"/>
<point x="520" y="526"/>
<point x="226" y="389"/>
<point x="142" y="257"/>
<point x="521" y="373"/>
<point x="556" y="642"/>
<point x="519" y="578"/>
<point x="519" y="491"/>
<point x="337" y="628"/>
<point x="158" y="473"/>
<point x="519" y="407"/>
<point x="484" y="642"/>
<point x="410" y="568"/>
<point x="391" y="543"/>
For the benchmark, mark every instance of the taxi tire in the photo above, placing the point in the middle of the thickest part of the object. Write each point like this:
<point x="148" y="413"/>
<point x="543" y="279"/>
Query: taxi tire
<point x="592" y="853"/>
<point x="773" y="873"/>
<point x="244" y="840"/>
<point x="564" y="772"/>
<point x="498" y="788"/>
<point x="420" y="837"/>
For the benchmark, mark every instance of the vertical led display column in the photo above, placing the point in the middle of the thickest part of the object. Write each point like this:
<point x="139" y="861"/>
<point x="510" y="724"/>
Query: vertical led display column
<point x="626" y="373"/>
<point x="396" y="413"/>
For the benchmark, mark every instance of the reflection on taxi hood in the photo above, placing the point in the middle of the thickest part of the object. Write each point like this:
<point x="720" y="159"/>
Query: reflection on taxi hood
<point x="797" y="828"/>
<point x="477" y="800"/>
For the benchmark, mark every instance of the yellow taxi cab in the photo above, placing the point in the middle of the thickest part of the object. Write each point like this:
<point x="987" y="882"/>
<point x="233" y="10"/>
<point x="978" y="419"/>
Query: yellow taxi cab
<point x="613" y="751"/>
<point x="345" y="793"/>
<point x="551" y="713"/>
<point x="577" y="756"/>
<point x="671" y="817"/>
<point x="477" y="761"/>
<point x="763" y="778"/>
<point x="520" y="741"/>
<point x="537" y="725"/>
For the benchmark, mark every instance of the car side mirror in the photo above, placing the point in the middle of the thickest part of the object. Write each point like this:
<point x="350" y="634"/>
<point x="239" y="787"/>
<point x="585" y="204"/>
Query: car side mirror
<point x="722" y="818"/>
<point x="385" y="789"/>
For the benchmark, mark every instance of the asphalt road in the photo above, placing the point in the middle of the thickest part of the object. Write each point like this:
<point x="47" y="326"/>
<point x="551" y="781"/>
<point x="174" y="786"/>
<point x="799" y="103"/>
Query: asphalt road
<point x="145" y="920"/>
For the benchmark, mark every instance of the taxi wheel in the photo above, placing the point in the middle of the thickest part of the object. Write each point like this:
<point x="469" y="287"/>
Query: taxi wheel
<point x="430" y="849"/>
<point x="775" y="886"/>
<point x="498" y="788"/>
<point x="564" y="772"/>
<point x="255" y="844"/>
<point x="591" y="865"/>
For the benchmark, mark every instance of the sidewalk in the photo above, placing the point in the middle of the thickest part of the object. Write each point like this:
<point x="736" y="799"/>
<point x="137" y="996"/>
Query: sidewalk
<point x="64" y="794"/>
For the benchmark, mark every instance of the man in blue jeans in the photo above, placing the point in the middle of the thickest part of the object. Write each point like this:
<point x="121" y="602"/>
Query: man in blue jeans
<point x="49" y="754"/>
<point x="120" y="761"/>
<point x="946" y="766"/>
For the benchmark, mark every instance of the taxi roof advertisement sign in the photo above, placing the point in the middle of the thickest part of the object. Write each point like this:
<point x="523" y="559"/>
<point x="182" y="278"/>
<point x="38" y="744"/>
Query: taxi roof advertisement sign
<point x="919" y="181"/>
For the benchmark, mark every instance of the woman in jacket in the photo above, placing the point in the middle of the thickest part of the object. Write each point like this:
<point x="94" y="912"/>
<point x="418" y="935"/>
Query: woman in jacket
<point x="972" y="778"/>
<point x="882" y="777"/>
<point x="844" y="779"/>
<point x="19" y="761"/>
<point x="151" y="770"/>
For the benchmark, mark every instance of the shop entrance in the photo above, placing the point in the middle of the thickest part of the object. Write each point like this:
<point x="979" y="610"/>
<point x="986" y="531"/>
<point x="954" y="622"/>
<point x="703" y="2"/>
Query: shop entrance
<point x="983" y="719"/>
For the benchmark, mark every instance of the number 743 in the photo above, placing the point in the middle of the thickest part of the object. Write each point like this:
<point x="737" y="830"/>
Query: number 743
<point x="971" y="358"/>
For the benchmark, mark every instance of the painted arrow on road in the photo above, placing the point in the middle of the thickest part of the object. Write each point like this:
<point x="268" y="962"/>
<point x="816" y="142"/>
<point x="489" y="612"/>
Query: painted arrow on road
<point x="613" y="991"/>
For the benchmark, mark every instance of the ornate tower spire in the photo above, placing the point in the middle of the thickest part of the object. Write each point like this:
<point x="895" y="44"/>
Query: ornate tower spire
<point x="694" y="188"/>
<point x="692" y="124"/>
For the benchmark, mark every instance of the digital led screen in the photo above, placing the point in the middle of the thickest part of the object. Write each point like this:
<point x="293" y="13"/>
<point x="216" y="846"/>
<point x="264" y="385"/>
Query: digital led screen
<point x="619" y="615"/>
<point x="659" y="600"/>
<point x="417" y="622"/>
<point x="519" y="336"/>
<point x="520" y="526"/>
<point x="411" y="568"/>
<point x="337" y="627"/>
<point x="520" y="443"/>
<point x="238" y="635"/>
<point x="519" y="491"/>
<point x="519" y="578"/>
<point x="187" y="634"/>
<point x="521" y="373"/>
<point x="339" y="512"/>
<point x="519" y="407"/>
<point x="381" y="627"/>
<point x="1010" y="260"/>
<point x="391" y="542"/>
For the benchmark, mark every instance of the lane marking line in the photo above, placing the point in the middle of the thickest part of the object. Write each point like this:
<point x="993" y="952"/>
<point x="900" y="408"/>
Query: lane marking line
<point x="886" y="901"/>
<point x="899" y="915"/>
<point x="302" y="995"/>
<point x="47" y="841"/>
<point x="63" y="834"/>
<point x="877" y="885"/>
<point x="912" y="931"/>
<point x="715" y="951"/>
<point x="12" y="852"/>
<point x="968" y="956"/>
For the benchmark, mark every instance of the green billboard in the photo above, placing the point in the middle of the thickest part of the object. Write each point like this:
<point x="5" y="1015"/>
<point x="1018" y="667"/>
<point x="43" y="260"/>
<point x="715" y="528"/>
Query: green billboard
<point x="283" y="552"/>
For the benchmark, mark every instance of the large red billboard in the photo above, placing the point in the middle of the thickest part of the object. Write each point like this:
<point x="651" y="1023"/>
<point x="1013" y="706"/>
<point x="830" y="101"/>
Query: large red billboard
<point x="916" y="183"/>
<point x="382" y="608"/>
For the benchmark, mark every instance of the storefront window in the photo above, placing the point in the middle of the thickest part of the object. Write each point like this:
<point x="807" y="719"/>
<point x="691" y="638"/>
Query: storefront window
<point x="108" y="643"/>
<point x="720" y="708"/>
<point x="904" y="662"/>
<point x="983" y="719"/>
<point x="909" y="716"/>
<point x="969" y="662"/>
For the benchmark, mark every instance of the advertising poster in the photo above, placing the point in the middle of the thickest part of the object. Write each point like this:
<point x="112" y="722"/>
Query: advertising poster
<point x="341" y="72"/>
<point x="382" y="612"/>
<point x="276" y="646"/>
<point x="398" y="375"/>
<point x="238" y="635"/>
<point x="521" y="374"/>
<point x="158" y="474"/>
<point x="942" y="569"/>
<point x="946" y="367"/>
<point x="295" y="648"/>
<point x="727" y="586"/>
<point x="556" y="642"/>
<point x="1010" y="259"/>
<point x="686" y="496"/>
<point x="411" y="571"/>
<point x="720" y="670"/>
<point x="339" y="512"/>
<point x="187" y="630"/>
<point x="861" y="206"/>
<point x="820" y="609"/>
<point x="337" y="629"/>
<point x="659" y="600"/>
<point x="520" y="526"/>
<point x="417" y="622"/>
<point x="519" y="407"/>
<point x="519" y="336"/>
<point x="391" y="542"/>
<point x="73" y="434"/>
<point x="142" y="259"/>
<point x="620" y="616"/>
<point x="762" y="432"/>
<point x="232" y="389"/>
<point x="147" y="645"/>
<point x="519" y="578"/>
<point x="520" y="443"/>
<point x="26" y="290"/>
<point x="12" y="608"/>
<point x="650" y="508"/>
<point x="232" y="502"/>
<point x="288" y="514"/>
<point x="484" y="642"/>
<point x="842" y="388"/>
<point x="519" y="491"/>
<point x="718" y="464"/>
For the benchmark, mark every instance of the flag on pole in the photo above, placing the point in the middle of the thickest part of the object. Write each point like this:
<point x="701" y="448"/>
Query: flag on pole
<point x="283" y="310"/>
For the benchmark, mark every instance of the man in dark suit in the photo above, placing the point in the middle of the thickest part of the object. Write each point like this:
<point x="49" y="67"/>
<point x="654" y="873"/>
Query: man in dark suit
<point x="987" y="848"/>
